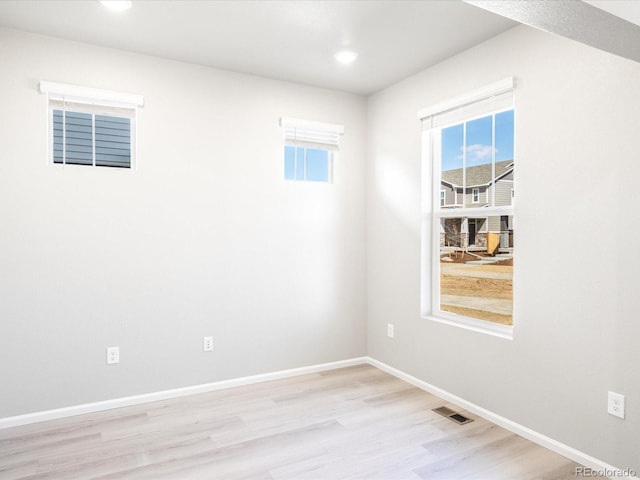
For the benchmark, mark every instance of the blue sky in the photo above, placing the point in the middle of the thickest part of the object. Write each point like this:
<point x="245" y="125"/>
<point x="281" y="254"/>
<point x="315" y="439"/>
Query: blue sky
<point x="478" y="144"/>
<point x="316" y="160"/>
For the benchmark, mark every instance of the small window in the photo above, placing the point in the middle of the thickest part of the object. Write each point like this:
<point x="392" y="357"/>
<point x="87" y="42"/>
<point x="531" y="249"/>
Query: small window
<point x="476" y="195"/>
<point x="82" y="137"/>
<point x="443" y="198"/>
<point x="91" y="127"/>
<point x="310" y="149"/>
<point x="310" y="164"/>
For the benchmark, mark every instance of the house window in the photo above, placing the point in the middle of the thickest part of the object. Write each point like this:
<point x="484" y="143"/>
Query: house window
<point x="83" y="137"/>
<point x="468" y="145"/>
<point x="310" y="149"/>
<point x="91" y="127"/>
<point x="443" y="198"/>
<point x="304" y="163"/>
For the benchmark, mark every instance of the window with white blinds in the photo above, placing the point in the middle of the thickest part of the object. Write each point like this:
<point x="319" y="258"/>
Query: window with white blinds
<point x="90" y="126"/>
<point x="309" y="149"/>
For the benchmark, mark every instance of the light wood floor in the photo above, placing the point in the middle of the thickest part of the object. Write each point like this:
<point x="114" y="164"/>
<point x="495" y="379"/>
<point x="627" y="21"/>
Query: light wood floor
<point x="351" y="423"/>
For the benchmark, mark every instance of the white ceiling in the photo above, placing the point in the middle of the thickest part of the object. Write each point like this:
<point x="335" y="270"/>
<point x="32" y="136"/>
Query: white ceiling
<point x="295" y="40"/>
<point x="285" y="39"/>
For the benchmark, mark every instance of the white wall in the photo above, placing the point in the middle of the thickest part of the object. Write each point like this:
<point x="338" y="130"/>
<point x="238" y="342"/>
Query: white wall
<point x="576" y="270"/>
<point x="204" y="238"/>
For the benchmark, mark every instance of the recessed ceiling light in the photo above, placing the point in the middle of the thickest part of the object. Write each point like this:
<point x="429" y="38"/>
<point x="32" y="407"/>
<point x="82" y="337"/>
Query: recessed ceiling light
<point x="117" y="5"/>
<point x="346" y="57"/>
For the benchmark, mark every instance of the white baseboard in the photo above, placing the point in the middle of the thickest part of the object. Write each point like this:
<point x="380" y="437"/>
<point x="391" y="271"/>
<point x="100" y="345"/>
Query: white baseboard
<point x="540" y="439"/>
<point x="29" y="418"/>
<point x="547" y="442"/>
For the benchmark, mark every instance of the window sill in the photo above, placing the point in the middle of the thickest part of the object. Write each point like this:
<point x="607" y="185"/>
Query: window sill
<point x="480" y="326"/>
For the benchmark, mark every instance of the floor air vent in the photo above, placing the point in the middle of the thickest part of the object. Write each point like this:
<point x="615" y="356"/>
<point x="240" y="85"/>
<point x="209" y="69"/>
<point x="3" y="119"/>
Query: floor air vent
<point x="452" y="415"/>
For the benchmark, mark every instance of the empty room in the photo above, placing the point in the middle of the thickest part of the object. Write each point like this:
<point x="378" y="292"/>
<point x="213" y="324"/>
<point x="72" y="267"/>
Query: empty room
<point x="288" y="239"/>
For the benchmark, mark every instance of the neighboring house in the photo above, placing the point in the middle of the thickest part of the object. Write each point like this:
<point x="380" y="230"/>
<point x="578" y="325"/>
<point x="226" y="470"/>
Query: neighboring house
<point x="477" y="187"/>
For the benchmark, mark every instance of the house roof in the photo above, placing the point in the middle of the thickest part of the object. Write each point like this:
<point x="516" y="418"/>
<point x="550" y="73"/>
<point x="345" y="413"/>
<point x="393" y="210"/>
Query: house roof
<point x="477" y="175"/>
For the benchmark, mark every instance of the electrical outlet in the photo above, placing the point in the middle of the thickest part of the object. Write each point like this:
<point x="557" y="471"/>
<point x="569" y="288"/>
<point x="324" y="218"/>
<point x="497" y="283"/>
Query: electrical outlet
<point x="616" y="405"/>
<point x="207" y="344"/>
<point x="390" y="329"/>
<point x="113" y="355"/>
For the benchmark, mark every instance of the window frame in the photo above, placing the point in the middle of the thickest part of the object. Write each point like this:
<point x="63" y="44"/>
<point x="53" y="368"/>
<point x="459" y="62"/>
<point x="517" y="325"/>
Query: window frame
<point x="308" y="134"/>
<point x="93" y="110"/>
<point x="330" y="159"/>
<point x="95" y="102"/>
<point x="433" y="214"/>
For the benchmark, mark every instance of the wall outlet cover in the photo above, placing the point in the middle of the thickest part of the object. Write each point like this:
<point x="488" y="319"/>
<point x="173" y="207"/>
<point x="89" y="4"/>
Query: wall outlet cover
<point x="113" y="355"/>
<point x="615" y="405"/>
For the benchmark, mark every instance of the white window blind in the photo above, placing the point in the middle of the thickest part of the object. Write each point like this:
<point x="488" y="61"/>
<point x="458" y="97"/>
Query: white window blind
<point x="90" y="96"/>
<point x="305" y="133"/>
<point x="492" y="98"/>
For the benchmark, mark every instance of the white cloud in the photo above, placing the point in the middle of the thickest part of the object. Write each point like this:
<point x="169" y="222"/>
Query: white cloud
<point x="478" y="153"/>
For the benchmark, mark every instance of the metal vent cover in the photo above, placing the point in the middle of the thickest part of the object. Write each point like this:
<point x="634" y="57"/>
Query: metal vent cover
<point x="452" y="415"/>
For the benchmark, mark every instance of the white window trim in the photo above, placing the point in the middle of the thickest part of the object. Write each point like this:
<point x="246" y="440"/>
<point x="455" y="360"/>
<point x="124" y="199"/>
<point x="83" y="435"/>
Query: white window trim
<point x="431" y="217"/>
<point x="443" y="198"/>
<point x="311" y="125"/>
<point x="90" y="100"/>
<point x="475" y="195"/>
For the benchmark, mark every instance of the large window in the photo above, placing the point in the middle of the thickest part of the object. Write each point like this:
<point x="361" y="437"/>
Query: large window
<point x="91" y="127"/>
<point x="468" y="154"/>
<point x="310" y="149"/>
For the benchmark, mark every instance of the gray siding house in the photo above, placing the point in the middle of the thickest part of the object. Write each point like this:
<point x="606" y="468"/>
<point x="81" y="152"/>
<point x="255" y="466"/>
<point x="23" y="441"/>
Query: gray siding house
<point x="477" y="187"/>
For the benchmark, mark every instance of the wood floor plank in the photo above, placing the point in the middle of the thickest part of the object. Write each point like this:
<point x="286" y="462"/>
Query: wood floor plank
<point x="350" y="423"/>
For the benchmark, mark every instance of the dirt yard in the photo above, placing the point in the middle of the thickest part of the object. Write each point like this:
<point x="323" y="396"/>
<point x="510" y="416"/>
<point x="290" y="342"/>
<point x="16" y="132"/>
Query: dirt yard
<point x="481" y="314"/>
<point x="463" y="257"/>
<point x="479" y="286"/>
<point x="476" y="287"/>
